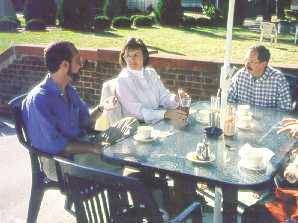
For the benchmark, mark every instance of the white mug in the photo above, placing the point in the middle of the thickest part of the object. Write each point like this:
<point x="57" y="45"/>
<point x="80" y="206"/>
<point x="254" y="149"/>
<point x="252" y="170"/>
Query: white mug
<point x="145" y="131"/>
<point x="243" y="110"/>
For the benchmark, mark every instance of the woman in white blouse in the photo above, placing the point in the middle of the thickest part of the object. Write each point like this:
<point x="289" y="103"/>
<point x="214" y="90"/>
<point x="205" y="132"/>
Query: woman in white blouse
<point x="140" y="90"/>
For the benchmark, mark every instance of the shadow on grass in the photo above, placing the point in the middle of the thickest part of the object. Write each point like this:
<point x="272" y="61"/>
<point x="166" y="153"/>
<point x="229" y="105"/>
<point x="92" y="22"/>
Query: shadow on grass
<point x="165" y="51"/>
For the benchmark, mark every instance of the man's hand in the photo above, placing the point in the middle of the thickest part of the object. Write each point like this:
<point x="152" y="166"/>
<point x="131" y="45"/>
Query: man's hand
<point x="110" y="103"/>
<point x="176" y="115"/>
<point x="290" y="125"/>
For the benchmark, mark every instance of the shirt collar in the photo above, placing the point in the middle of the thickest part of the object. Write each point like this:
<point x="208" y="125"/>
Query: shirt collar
<point x="263" y="77"/>
<point x="138" y="73"/>
<point x="52" y="86"/>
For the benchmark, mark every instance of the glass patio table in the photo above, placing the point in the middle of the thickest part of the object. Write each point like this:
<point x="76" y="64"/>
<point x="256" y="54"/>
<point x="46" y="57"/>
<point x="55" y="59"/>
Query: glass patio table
<point x="167" y="154"/>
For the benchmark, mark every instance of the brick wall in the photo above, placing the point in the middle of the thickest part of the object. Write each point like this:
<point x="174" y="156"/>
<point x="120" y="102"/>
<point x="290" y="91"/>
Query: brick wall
<point x="22" y="67"/>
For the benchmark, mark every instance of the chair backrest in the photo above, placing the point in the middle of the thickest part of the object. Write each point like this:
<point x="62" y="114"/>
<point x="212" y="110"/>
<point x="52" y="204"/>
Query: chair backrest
<point x="102" y="196"/>
<point x="293" y="83"/>
<point x="15" y="109"/>
<point x="35" y="155"/>
<point x="268" y="30"/>
<point x="108" y="90"/>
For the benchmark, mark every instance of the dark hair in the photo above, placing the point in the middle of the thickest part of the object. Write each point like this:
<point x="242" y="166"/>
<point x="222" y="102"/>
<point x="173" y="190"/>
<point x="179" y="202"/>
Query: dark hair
<point x="262" y="51"/>
<point x="135" y="44"/>
<point x="57" y="52"/>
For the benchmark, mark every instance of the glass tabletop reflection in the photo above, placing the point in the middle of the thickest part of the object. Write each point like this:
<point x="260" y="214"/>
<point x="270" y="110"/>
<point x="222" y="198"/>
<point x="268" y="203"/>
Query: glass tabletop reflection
<point x="171" y="145"/>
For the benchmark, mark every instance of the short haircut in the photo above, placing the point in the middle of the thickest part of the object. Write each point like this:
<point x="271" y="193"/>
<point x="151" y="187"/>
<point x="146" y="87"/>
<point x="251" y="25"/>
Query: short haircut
<point x="57" y="52"/>
<point x="134" y="44"/>
<point x="262" y="51"/>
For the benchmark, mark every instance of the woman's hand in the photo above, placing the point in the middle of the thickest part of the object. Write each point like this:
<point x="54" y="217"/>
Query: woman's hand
<point x="290" y="125"/>
<point x="110" y="103"/>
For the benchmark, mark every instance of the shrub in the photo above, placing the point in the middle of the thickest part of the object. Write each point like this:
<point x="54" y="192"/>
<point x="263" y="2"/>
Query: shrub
<point x="141" y="20"/>
<point x="169" y="12"/>
<point x="101" y="23"/>
<point x="35" y="25"/>
<point x="8" y="24"/>
<point x="45" y="10"/>
<point x="76" y="14"/>
<point x="203" y="21"/>
<point x="188" y="21"/>
<point x="121" y="22"/>
<point x="15" y="19"/>
<point x="114" y="8"/>
<point x="132" y="18"/>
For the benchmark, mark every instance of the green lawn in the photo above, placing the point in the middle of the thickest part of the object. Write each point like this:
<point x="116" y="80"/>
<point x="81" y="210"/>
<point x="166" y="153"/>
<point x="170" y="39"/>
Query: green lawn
<point x="200" y="43"/>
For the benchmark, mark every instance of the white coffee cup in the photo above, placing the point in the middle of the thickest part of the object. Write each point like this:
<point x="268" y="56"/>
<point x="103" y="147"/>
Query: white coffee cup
<point x="244" y="121"/>
<point x="243" y="110"/>
<point x="145" y="132"/>
<point x="203" y="115"/>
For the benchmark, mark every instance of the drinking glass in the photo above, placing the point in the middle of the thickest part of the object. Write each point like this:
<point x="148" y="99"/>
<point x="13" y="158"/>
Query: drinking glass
<point x="185" y="104"/>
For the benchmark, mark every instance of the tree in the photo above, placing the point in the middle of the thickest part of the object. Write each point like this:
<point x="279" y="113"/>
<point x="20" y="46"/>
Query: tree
<point x="76" y="14"/>
<point x="41" y="9"/>
<point x="114" y="8"/>
<point x="169" y="12"/>
<point x="6" y="8"/>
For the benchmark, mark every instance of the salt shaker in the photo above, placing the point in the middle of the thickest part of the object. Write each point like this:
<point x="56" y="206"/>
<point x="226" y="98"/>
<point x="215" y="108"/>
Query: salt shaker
<point x="229" y="121"/>
<point x="203" y="151"/>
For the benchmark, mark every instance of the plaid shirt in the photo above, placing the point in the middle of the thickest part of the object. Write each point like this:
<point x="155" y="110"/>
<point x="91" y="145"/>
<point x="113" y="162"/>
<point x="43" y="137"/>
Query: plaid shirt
<point x="271" y="90"/>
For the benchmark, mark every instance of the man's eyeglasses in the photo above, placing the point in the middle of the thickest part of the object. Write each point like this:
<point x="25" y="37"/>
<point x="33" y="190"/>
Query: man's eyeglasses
<point x="252" y="62"/>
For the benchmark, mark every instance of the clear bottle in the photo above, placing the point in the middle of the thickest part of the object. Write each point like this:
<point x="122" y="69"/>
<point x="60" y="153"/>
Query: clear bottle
<point x="229" y="120"/>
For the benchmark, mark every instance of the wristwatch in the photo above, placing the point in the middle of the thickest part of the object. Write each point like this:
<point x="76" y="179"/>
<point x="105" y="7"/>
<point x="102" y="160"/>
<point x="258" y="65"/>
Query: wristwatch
<point x="100" y="108"/>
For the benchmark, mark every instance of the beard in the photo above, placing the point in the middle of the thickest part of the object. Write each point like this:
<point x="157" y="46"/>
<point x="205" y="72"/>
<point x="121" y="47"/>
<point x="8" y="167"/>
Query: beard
<point x="73" y="76"/>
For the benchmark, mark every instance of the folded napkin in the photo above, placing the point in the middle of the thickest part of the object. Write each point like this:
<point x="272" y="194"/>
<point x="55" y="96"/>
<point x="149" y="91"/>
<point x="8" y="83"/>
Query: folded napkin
<point x="247" y="148"/>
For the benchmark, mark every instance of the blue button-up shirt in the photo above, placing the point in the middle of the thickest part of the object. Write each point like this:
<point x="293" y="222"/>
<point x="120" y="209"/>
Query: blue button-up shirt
<point x="271" y="90"/>
<point x="51" y="120"/>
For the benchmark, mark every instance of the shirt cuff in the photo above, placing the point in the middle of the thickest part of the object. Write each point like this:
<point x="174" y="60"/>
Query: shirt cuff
<point x="153" y="116"/>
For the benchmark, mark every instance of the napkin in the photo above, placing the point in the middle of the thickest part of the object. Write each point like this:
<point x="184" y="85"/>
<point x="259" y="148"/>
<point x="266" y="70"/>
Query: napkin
<point x="265" y="152"/>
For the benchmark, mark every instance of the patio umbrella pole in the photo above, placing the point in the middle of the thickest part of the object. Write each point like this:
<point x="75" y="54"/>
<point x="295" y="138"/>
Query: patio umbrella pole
<point x="224" y="85"/>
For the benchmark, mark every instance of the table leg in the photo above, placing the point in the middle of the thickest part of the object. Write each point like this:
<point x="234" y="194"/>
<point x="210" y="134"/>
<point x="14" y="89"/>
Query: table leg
<point x="229" y="204"/>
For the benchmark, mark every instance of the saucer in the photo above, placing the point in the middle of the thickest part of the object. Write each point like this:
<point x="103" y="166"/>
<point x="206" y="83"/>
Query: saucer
<point x="250" y="126"/>
<point x="192" y="156"/>
<point x="139" y="138"/>
<point x="250" y="114"/>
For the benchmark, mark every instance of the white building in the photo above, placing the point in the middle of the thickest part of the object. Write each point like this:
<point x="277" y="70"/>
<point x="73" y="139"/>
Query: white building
<point x="144" y="4"/>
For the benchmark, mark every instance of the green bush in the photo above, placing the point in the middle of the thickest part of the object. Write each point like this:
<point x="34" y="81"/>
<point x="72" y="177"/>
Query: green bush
<point x="121" y="22"/>
<point x="7" y="24"/>
<point x="132" y="18"/>
<point x="45" y="10"/>
<point x="76" y="14"/>
<point x="169" y="12"/>
<point x="203" y="22"/>
<point x="13" y="18"/>
<point x="101" y="23"/>
<point x="188" y="21"/>
<point x="141" y="20"/>
<point x="35" y="25"/>
<point x="114" y="8"/>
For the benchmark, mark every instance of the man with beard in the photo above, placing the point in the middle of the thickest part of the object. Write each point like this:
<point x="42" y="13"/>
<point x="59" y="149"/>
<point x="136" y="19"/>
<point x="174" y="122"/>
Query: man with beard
<point x="259" y="84"/>
<point x="56" y="118"/>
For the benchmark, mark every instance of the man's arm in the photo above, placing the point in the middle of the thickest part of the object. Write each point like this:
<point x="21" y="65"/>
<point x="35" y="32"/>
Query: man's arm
<point x="76" y="147"/>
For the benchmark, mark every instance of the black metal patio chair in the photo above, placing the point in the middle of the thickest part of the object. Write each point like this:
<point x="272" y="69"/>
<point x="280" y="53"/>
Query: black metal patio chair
<point x="102" y="196"/>
<point x="40" y="181"/>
